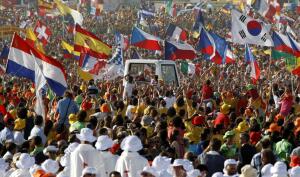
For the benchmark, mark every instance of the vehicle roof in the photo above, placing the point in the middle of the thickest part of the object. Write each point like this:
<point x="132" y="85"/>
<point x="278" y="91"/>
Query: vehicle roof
<point x="150" y="61"/>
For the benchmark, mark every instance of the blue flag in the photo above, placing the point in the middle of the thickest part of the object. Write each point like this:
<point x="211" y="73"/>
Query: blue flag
<point x="4" y="52"/>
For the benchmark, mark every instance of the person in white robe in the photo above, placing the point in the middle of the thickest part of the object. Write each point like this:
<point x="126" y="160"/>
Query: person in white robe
<point x="162" y="165"/>
<point x="50" y="166"/>
<point x="86" y="155"/>
<point x="65" y="161"/>
<point x="24" y="163"/>
<point x="149" y="172"/>
<point x="3" y="167"/>
<point x="89" y="172"/>
<point x="103" y="145"/>
<point x="131" y="163"/>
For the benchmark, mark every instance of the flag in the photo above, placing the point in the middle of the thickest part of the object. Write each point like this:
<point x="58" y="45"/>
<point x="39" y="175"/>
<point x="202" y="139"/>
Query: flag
<point x="184" y="66"/>
<point x="44" y="7"/>
<point x="32" y="40"/>
<point x="279" y="55"/>
<point x="175" y="50"/>
<point x="290" y="31"/>
<point x="174" y="32"/>
<point x="229" y="56"/>
<point x="114" y="67"/>
<point x="21" y="63"/>
<point x="295" y="46"/>
<point x="141" y="39"/>
<point x="171" y="8"/>
<point x="42" y="32"/>
<point x="246" y="30"/>
<point x="96" y="7"/>
<point x="68" y="49"/>
<point x="282" y="43"/>
<point x="4" y="52"/>
<point x="87" y="43"/>
<point x="122" y="41"/>
<point x="191" y="69"/>
<point x="205" y="43"/>
<point x="267" y="10"/>
<point x="65" y="10"/>
<point x="135" y="55"/>
<point x="40" y="82"/>
<point x="143" y="15"/>
<point x="199" y="21"/>
<point x="91" y="64"/>
<point x="255" y="71"/>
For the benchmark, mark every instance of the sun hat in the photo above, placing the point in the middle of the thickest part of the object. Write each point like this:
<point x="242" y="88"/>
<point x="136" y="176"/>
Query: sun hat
<point x="217" y="174"/>
<point x="131" y="143"/>
<point x="150" y="170"/>
<point x="72" y="118"/>
<point x="161" y="163"/>
<point x="274" y="128"/>
<point x="104" y="142"/>
<point x="294" y="172"/>
<point x="186" y="164"/>
<point x="225" y="108"/>
<point x="243" y="126"/>
<point x="228" y="134"/>
<point x="248" y="171"/>
<point x="25" y="161"/>
<point x="89" y="170"/>
<point x="279" y="169"/>
<point x="266" y="170"/>
<point x="198" y="120"/>
<point x="86" y="134"/>
<point x="50" y="166"/>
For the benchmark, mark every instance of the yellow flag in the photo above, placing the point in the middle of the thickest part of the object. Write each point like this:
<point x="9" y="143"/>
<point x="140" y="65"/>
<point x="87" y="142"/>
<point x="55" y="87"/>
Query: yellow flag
<point x="63" y="9"/>
<point x="84" y="75"/>
<point x="33" y="40"/>
<point x="67" y="46"/>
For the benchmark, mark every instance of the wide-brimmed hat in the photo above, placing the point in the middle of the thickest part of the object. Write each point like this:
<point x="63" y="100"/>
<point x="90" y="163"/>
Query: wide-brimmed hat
<point x="19" y="138"/>
<point x="50" y="166"/>
<point x="266" y="170"/>
<point x="50" y="148"/>
<point x="131" y="143"/>
<point x="25" y="161"/>
<point x="86" y="134"/>
<point x="230" y="162"/>
<point x="104" y="142"/>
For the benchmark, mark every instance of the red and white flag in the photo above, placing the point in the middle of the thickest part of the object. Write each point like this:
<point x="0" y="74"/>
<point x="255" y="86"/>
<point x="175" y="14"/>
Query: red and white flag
<point x="42" y="32"/>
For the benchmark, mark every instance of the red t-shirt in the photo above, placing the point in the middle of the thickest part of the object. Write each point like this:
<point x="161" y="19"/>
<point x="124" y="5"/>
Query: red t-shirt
<point x="207" y="92"/>
<point x="222" y="119"/>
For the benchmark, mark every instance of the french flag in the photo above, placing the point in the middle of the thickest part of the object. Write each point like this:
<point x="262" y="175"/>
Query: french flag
<point x="255" y="71"/>
<point x="282" y="43"/>
<point x="141" y="39"/>
<point x="175" y="50"/>
<point x="176" y="33"/>
<point x="22" y="59"/>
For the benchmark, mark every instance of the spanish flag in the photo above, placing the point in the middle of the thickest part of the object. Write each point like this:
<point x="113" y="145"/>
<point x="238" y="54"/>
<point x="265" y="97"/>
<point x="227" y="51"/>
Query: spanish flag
<point x="33" y="40"/>
<point x="88" y="43"/>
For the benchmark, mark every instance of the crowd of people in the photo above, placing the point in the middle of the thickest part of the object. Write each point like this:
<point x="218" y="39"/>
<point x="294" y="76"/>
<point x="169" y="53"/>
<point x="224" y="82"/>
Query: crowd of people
<point x="217" y="123"/>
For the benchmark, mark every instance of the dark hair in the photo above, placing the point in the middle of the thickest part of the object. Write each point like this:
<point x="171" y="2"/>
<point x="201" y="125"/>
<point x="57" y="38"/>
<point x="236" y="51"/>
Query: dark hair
<point x="180" y="101"/>
<point x="48" y="127"/>
<point x="81" y="115"/>
<point x="38" y="120"/>
<point x="103" y="131"/>
<point x="171" y="112"/>
<point x="265" y="143"/>
<point x="10" y="146"/>
<point x="268" y="153"/>
<point x="22" y="113"/>
<point x="215" y="144"/>
<point x="177" y="122"/>
<point x="37" y="140"/>
<point x="245" y="136"/>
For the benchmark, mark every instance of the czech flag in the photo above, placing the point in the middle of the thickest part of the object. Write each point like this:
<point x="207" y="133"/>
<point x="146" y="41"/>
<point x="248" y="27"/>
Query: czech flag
<point x="175" y="50"/>
<point x="144" y="40"/>
<point x="176" y="33"/>
<point x="206" y="43"/>
<point x="282" y="43"/>
<point x="295" y="46"/>
<point x="23" y="58"/>
<point x="255" y="71"/>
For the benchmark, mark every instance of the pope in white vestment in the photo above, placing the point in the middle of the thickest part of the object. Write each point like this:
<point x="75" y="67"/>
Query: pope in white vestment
<point x="103" y="144"/>
<point x="131" y="163"/>
<point x="86" y="155"/>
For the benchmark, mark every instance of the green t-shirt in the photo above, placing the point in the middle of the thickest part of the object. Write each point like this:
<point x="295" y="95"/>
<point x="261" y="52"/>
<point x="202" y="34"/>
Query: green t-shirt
<point x="77" y="126"/>
<point x="229" y="152"/>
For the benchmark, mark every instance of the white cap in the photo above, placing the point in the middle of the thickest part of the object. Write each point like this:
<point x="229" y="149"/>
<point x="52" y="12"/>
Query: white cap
<point x="217" y="174"/>
<point x="294" y="172"/>
<point x="161" y="163"/>
<point x="88" y="170"/>
<point x="50" y="148"/>
<point x="86" y="134"/>
<point x="104" y="142"/>
<point x="150" y="170"/>
<point x="194" y="173"/>
<point x="279" y="168"/>
<point x="266" y="170"/>
<point x="187" y="165"/>
<point x="131" y="143"/>
<point x="18" y="138"/>
<point x="230" y="162"/>
<point x="50" y="166"/>
<point x="25" y="161"/>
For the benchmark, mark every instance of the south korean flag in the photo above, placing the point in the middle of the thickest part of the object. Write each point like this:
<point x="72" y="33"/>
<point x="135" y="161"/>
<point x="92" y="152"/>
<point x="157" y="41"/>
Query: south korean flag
<point x="246" y="30"/>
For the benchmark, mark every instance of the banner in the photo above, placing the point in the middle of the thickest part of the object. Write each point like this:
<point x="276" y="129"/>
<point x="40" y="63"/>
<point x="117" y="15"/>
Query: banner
<point x="8" y="31"/>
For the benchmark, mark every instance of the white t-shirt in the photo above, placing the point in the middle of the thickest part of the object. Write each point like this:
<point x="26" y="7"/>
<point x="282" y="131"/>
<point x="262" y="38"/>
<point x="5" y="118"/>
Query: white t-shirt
<point x="169" y="101"/>
<point x="128" y="87"/>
